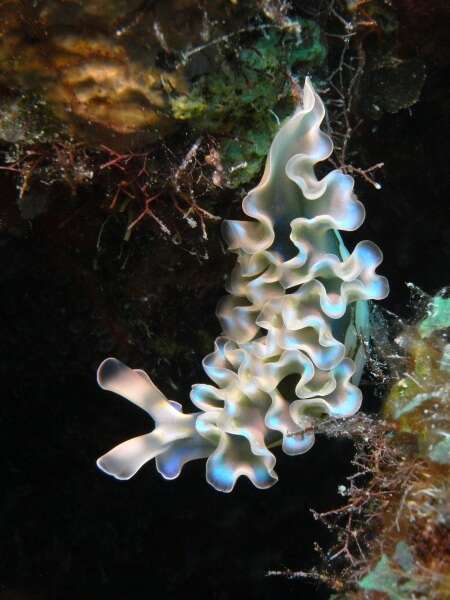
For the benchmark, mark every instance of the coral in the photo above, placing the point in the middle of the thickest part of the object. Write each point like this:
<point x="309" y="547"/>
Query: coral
<point x="100" y="84"/>
<point x="92" y="84"/>
<point x="293" y="325"/>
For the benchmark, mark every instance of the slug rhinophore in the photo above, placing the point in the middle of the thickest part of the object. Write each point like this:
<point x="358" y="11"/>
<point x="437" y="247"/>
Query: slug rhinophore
<point x="293" y="325"/>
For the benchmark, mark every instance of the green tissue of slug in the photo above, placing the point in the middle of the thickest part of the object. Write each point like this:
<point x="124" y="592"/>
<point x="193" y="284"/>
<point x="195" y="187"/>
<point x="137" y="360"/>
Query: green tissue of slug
<point x="243" y="99"/>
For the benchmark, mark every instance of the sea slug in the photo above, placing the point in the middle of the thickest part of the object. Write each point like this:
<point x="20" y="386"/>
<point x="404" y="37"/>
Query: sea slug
<point x="293" y="325"/>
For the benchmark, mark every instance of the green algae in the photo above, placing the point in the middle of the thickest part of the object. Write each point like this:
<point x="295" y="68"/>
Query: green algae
<point x="440" y="452"/>
<point x="418" y="402"/>
<point x="411" y="563"/>
<point x="244" y="100"/>
<point x="393" y="576"/>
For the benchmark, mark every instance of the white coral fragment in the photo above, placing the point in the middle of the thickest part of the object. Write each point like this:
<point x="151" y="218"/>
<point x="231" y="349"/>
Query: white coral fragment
<point x="292" y="325"/>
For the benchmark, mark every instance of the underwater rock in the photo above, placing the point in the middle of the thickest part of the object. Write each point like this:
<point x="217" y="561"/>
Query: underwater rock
<point x="98" y="68"/>
<point x="393" y="86"/>
<point x="391" y="77"/>
<point x="107" y="11"/>
<point x="172" y="23"/>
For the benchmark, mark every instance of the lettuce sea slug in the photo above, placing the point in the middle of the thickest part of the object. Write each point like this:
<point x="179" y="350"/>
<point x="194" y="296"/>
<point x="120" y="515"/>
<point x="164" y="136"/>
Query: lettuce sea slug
<point x="293" y="325"/>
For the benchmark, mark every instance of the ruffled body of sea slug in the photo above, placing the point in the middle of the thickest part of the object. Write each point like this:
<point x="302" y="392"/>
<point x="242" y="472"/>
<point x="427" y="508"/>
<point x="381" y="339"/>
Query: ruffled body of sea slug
<point x="293" y="325"/>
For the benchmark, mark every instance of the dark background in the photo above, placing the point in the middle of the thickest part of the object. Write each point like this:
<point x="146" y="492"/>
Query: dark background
<point x="68" y="530"/>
